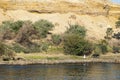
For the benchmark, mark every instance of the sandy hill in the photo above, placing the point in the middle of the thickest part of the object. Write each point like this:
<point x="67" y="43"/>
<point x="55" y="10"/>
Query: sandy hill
<point x="95" y="15"/>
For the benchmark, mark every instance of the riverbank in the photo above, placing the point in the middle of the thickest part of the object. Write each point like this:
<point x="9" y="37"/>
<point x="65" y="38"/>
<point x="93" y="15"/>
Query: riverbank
<point x="60" y="58"/>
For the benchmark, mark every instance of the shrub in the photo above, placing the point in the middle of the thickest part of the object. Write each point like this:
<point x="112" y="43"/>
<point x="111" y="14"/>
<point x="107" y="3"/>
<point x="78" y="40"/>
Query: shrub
<point x="77" y="29"/>
<point x="44" y="46"/>
<point x="109" y="33"/>
<point x="6" y="31"/>
<point x="56" y="39"/>
<point x="118" y="23"/>
<point x="100" y="48"/>
<point x="5" y="50"/>
<point x="15" y="26"/>
<point x="96" y="55"/>
<point x="116" y="49"/>
<point x="7" y="24"/>
<point x="116" y="35"/>
<point x="24" y="34"/>
<point x="42" y="27"/>
<point x="75" y="45"/>
<point x="74" y="42"/>
<point x="18" y="48"/>
<point x="97" y="49"/>
<point x="34" y="48"/>
<point x="103" y="48"/>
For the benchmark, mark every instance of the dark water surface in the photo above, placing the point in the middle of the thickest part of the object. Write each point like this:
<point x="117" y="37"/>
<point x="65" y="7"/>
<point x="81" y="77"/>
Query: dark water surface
<point x="89" y="71"/>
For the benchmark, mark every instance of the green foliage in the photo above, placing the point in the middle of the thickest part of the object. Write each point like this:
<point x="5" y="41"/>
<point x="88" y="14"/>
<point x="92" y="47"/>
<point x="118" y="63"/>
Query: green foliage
<point x="100" y="48"/>
<point x="18" y="48"/>
<point x="74" y="42"/>
<point x="118" y="23"/>
<point x="15" y="26"/>
<point x="76" y="29"/>
<point x="44" y="46"/>
<point x="97" y="49"/>
<point x="23" y="36"/>
<point x="5" y="51"/>
<point x="42" y="27"/>
<point x="75" y="45"/>
<point x="8" y="29"/>
<point x="21" y="32"/>
<point x="56" y="39"/>
<point x="7" y="24"/>
<point x="34" y="48"/>
<point x="103" y="48"/>
<point x="109" y="33"/>
<point x="116" y="35"/>
<point x="5" y="31"/>
<point x="2" y="49"/>
<point x="116" y="49"/>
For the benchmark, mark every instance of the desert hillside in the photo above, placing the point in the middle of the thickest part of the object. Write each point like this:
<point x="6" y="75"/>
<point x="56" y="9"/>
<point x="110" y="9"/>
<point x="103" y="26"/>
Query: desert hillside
<point x="95" y="15"/>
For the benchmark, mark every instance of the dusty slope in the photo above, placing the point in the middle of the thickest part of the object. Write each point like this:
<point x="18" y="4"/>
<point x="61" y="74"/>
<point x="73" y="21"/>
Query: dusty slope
<point x="89" y="13"/>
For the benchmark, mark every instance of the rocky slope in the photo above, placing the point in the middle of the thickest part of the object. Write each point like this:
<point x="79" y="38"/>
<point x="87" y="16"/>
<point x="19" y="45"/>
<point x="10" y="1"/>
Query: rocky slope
<point x="95" y="15"/>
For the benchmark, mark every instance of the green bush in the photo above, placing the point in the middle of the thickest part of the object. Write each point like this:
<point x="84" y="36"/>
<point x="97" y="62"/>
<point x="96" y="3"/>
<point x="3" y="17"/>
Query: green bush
<point x="23" y="36"/>
<point x="18" y="48"/>
<point x="15" y="26"/>
<point x="8" y="29"/>
<point x="77" y="29"/>
<point x="116" y="35"/>
<point x="6" y="33"/>
<point x="75" y="45"/>
<point x="23" y="32"/>
<point x="103" y="48"/>
<point x="74" y="41"/>
<point x="42" y="27"/>
<point x="109" y="33"/>
<point x="116" y="49"/>
<point x="56" y="39"/>
<point x="34" y="48"/>
<point x="44" y="46"/>
<point x="100" y="49"/>
<point x="5" y="50"/>
<point x="118" y="23"/>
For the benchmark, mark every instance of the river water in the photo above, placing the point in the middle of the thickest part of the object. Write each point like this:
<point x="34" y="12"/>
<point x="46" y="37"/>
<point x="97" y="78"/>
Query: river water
<point x="87" y="71"/>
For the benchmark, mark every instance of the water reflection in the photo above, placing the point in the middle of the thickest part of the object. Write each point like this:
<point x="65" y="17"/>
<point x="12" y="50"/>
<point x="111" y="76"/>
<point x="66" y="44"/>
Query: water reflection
<point x="91" y="71"/>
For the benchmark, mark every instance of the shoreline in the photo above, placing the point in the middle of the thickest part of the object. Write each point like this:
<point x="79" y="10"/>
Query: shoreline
<point x="37" y="58"/>
<point x="32" y="62"/>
